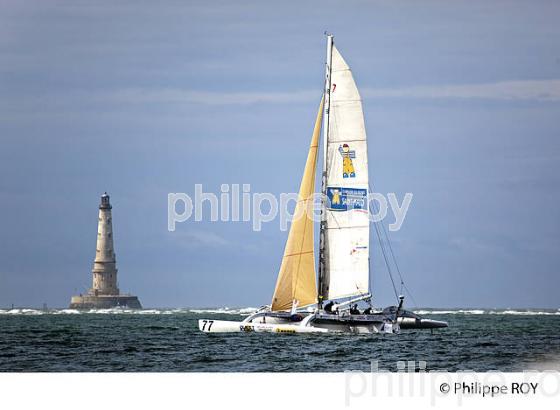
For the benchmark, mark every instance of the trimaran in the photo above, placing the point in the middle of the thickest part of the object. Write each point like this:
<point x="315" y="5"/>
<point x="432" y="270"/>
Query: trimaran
<point x="299" y="304"/>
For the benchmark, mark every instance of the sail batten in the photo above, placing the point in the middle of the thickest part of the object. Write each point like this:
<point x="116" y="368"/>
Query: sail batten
<point x="346" y="230"/>
<point x="296" y="281"/>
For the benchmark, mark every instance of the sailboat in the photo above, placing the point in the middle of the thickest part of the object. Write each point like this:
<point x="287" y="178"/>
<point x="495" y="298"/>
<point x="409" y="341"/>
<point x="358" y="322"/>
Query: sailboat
<point x="306" y="302"/>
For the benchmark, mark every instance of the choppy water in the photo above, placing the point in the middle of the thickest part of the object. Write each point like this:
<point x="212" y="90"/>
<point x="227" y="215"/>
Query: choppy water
<point x="167" y="340"/>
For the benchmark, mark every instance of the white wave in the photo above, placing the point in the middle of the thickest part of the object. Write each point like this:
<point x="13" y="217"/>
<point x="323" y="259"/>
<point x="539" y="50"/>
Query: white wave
<point x="152" y="312"/>
<point x="225" y="310"/>
<point x="22" y="312"/>
<point x="109" y="311"/>
<point x="65" y="312"/>
<point x="487" y="312"/>
<point x="528" y="313"/>
<point x="450" y="312"/>
<point x="171" y="311"/>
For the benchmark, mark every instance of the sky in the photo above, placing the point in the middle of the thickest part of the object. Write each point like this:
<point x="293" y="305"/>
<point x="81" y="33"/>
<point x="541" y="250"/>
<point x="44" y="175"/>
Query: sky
<point x="140" y="99"/>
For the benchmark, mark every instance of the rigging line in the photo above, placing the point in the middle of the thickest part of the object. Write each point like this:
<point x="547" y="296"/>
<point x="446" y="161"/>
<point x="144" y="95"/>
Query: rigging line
<point x="384" y="251"/>
<point x="370" y="279"/>
<point x="393" y="255"/>
<point x="403" y="285"/>
<point x="386" y="260"/>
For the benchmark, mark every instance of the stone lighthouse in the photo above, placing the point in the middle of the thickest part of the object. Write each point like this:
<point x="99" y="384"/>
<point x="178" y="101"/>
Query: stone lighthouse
<point x="105" y="291"/>
<point x="105" y="264"/>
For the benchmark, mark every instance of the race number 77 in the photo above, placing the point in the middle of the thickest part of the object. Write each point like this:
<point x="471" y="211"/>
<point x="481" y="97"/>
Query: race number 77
<point x="207" y="322"/>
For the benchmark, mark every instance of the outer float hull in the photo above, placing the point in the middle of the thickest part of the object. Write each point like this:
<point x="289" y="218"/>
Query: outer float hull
<point x="225" y="326"/>
<point x="420" y="323"/>
<point x="276" y="326"/>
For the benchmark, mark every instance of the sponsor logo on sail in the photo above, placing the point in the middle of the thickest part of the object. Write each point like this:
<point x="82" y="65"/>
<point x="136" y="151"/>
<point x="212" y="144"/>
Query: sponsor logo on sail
<point x="346" y="199"/>
<point x="348" y="155"/>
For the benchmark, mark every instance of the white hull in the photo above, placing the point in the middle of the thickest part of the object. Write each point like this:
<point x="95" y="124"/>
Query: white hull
<point x="277" y="325"/>
<point x="226" y="326"/>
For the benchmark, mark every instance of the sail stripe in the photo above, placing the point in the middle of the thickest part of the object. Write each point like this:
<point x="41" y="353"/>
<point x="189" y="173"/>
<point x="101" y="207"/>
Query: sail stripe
<point x="297" y="253"/>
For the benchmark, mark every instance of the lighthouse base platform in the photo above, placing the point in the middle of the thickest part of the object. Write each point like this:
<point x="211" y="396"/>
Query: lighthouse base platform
<point x="104" y="302"/>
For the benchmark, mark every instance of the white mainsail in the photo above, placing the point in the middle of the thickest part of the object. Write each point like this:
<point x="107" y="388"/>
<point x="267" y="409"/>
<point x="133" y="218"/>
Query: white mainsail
<point x="346" y="233"/>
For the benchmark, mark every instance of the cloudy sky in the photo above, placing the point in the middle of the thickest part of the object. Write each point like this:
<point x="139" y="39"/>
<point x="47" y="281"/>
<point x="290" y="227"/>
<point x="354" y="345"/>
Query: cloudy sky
<point x="462" y="108"/>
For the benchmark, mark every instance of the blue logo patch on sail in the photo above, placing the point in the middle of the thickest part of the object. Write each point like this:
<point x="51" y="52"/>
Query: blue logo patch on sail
<point x="346" y="199"/>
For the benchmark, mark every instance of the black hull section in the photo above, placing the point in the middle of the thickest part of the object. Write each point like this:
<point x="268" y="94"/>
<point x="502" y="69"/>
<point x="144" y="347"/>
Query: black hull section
<point x="410" y="320"/>
<point x="419" y="323"/>
<point x="351" y="320"/>
<point x="365" y="320"/>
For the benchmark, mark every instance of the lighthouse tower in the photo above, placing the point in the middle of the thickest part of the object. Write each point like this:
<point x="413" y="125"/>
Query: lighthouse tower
<point x="105" y="264"/>
<point x="104" y="292"/>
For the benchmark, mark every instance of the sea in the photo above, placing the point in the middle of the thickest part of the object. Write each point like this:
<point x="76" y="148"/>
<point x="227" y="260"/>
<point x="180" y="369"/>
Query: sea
<point x="168" y="340"/>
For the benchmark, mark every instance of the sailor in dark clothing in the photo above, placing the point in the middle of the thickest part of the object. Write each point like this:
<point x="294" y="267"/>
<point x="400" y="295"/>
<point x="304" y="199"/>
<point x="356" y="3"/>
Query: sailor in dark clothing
<point x="367" y="311"/>
<point x="354" y="309"/>
<point x="329" y="307"/>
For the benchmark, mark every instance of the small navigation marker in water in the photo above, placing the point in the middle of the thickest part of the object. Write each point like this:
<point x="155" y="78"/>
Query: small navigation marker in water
<point x="104" y="292"/>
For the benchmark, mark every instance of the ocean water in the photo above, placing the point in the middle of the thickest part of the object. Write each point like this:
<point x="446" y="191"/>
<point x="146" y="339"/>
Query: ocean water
<point x="168" y="340"/>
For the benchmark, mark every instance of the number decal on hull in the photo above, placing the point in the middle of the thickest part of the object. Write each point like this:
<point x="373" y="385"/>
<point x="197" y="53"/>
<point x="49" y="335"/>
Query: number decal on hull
<point x="207" y="322"/>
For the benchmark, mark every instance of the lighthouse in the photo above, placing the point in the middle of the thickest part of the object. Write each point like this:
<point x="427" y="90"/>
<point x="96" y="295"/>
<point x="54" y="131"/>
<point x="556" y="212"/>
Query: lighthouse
<point x="104" y="292"/>
<point x="105" y="264"/>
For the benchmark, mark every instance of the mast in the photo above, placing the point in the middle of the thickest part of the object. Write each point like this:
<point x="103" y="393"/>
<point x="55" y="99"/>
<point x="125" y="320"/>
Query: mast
<point x="326" y="114"/>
